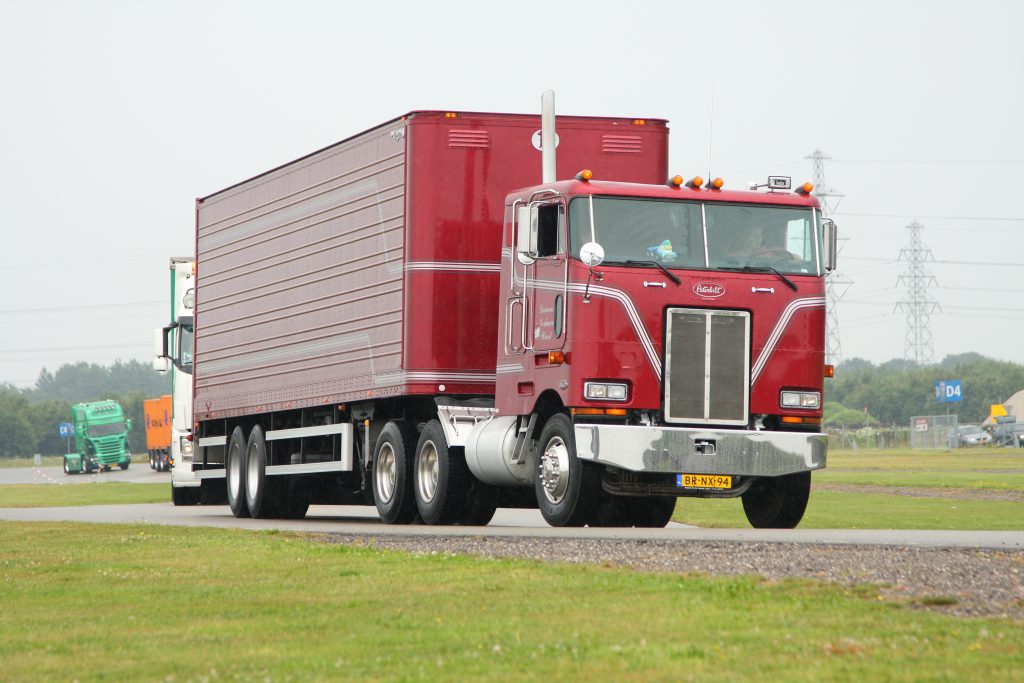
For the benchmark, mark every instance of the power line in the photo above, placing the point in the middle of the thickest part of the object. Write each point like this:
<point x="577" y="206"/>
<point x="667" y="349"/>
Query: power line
<point x="932" y="218"/>
<point x="66" y="309"/>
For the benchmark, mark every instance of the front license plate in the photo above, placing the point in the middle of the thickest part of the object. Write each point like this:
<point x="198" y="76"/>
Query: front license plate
<point x="704" y="481"/>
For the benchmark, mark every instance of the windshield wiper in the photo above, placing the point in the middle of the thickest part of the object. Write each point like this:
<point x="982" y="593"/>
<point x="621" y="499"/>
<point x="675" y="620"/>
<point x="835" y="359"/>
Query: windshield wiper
<point x="763" y="269"/>
<point x="669" y="274"/>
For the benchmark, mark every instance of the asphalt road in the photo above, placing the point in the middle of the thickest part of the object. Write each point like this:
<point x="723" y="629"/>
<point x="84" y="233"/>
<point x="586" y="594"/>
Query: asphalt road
<point x="360" y="520"/>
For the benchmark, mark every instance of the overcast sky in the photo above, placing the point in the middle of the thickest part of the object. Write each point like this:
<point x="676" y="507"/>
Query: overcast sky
<point x="116" y="115"/>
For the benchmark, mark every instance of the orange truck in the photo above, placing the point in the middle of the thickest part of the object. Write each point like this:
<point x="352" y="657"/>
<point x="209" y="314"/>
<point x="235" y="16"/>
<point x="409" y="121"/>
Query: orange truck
<point x="157" y="412"/>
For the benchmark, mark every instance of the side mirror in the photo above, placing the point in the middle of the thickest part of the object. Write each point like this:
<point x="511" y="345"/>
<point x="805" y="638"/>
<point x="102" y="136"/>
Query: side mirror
<point x="128" y="425"/>
<point x="830" y="238"/>
<point x="592" y="254"/>
<point x="161" y="363"/>
<point x="526" y="234"/>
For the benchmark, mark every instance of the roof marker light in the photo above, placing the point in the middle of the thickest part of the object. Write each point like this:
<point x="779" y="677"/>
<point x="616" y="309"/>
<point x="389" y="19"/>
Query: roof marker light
<point x="639" y="122"/>
<point x="716" y="184"/>
<point x="676" y="181"/>
<point x="585" y="175"/>
<point x="451" y="115"/>
<point x="805" y="188"/>
<point x="695" y="182"/>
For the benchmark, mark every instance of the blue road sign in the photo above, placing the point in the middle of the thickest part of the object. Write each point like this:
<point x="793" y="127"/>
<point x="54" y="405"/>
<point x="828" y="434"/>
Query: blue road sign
<point x="948" y="391"/>
<point x="66" y="429"/>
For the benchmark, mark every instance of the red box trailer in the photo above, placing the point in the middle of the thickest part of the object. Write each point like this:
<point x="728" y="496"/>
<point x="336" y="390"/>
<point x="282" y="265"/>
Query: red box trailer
<point x="416" y="318"/>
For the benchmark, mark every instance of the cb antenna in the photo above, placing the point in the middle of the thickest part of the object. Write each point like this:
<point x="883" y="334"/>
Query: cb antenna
<point x="711" y="125"/>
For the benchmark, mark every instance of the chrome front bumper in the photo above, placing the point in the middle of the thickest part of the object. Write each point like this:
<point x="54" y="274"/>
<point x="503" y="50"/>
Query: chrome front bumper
<point x="701" y="451"/>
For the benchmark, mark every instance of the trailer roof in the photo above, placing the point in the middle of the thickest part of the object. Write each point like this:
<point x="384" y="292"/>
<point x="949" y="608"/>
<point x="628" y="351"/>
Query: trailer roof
<point x="446" y="115"/>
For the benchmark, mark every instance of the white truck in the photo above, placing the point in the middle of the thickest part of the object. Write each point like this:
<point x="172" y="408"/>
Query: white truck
<point x="174" y="350"/>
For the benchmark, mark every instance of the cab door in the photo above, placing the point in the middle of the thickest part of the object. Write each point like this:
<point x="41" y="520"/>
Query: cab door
<point x="536" y="305"/>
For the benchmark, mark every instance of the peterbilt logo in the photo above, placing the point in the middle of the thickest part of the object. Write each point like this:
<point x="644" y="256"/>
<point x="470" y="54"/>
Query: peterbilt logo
<point x="708" y="290"/>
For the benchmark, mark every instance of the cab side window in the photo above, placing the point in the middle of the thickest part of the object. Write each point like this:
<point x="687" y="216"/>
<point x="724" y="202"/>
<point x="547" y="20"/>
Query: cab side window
<point x="550" y="230"/>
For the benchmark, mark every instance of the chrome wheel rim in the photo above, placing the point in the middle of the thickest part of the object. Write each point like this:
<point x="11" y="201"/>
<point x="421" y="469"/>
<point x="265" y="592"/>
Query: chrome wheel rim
<point x="427" y="472"/>
<point x="554" y="470"/>
<point x="386" y="470"/>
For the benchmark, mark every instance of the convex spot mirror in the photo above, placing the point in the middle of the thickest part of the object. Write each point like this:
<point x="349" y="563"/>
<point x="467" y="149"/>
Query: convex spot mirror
<point x="592" y="254"/>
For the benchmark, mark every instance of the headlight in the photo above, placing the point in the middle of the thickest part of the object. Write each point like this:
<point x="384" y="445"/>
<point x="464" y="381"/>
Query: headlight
<point x="800" y="399"/>
<point x="606" y="391"/>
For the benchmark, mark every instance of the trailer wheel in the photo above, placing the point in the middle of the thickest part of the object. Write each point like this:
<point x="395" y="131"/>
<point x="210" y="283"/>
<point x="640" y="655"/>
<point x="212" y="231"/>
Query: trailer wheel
<point x="293" y="501"/>
<point x="440" y="473"/>
<point x="562" y="484"/>
<point x="654" y="512"/>
<point x="182" y="495"/>
<point x="261" y="496"/>
<point x="392" y="473"/>
<point x="777" y="502"/>
<point x="234" y="474"/>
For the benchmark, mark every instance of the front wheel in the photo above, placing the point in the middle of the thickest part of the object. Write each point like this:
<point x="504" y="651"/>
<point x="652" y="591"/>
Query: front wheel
<point x="777" y="502"/>
<point x="561" y="482"/>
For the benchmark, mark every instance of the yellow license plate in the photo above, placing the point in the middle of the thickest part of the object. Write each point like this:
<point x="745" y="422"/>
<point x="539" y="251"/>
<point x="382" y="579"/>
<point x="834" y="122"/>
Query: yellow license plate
<point x="704" y="481"/>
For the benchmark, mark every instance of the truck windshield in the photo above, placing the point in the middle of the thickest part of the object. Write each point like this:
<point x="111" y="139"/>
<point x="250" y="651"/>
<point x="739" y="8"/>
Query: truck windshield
<point x="106" y="429"/>
<point x="681" y="234"/>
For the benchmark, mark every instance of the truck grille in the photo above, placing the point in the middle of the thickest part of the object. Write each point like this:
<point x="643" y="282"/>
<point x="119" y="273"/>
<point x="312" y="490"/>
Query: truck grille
<point x="108" y="452"/>
<point x="707" y="366"/>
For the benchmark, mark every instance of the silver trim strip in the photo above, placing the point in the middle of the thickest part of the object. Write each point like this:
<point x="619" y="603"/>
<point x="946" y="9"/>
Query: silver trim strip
<point x="207" y="441"/>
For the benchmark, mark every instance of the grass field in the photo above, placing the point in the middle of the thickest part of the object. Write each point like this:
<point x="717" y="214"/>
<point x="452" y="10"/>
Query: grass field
<point x="948" y="492"/>
<point x="107" y="493"/>
<point x="104" y="602"/>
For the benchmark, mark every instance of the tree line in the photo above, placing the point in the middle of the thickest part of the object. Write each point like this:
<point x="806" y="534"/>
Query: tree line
<point x="29" y="418"/>
<point x="862" y="393"/>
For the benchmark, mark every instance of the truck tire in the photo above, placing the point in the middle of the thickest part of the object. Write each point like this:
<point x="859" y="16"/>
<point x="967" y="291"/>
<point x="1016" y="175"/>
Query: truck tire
<point x="653" y="512"/>
<point x="563" y="485"/>
<point x="294" y="498"/>
<point x="181" y="496"/>
<point x="124" y="465"/>
<point x="392" y="473"/>
<point x="67" y="470"/>
<point x="261" y="496"/>
<point x="777" y="502"/>
<point x="481" y="504"/>
<point x="441" y="477"/>
<point x="612" y="511"/>
<point x="234" y="473"/>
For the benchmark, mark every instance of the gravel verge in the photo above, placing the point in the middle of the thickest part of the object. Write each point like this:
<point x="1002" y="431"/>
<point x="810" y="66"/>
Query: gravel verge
<point x="961" y="582"/>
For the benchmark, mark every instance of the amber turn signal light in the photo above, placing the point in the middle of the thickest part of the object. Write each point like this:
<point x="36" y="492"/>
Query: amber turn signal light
<point x="585" y="175"/>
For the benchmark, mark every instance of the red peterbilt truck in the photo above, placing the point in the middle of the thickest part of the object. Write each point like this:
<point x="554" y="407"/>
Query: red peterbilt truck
<point x="406" y="319"/>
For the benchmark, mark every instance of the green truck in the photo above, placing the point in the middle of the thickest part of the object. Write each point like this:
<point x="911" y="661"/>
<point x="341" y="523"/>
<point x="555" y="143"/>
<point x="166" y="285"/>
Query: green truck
<point x="101" y="438"/>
